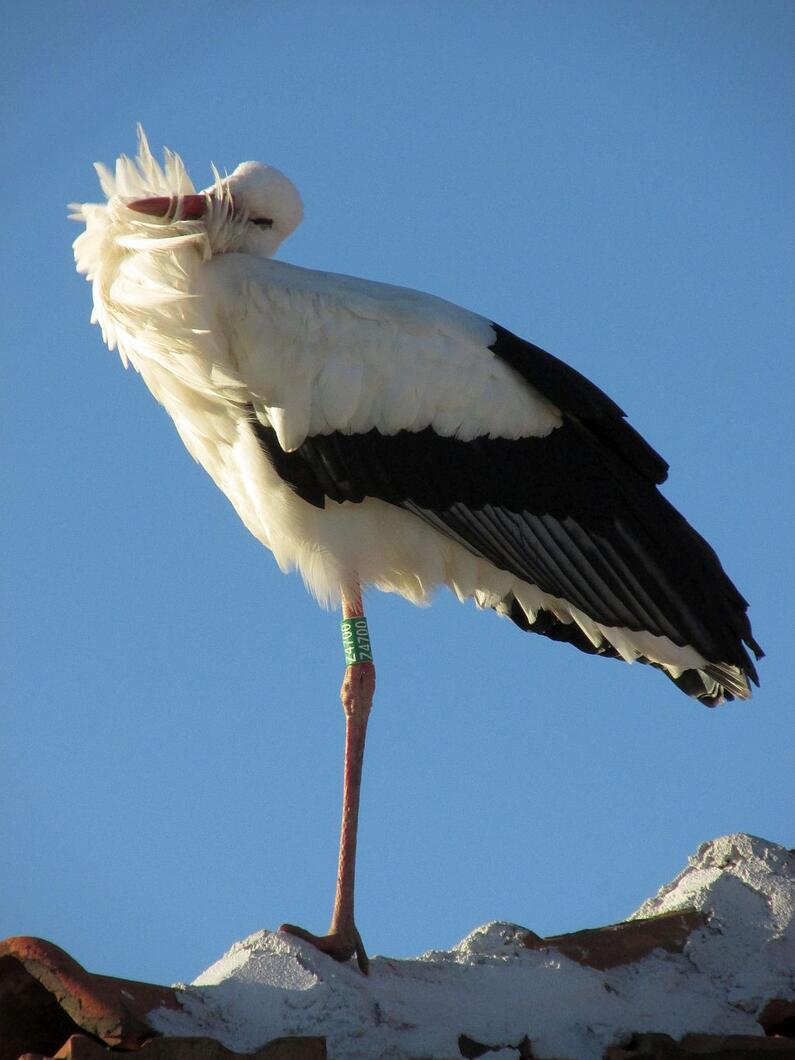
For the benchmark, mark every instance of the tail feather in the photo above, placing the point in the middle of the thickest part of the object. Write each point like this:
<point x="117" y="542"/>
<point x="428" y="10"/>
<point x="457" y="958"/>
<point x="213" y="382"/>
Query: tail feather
<point x="716" y="683"/>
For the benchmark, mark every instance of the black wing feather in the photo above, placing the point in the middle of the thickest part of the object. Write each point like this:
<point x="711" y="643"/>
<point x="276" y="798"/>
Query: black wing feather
<point x="576" y="513"/>
<point x="580" y="399"/>
<point x="561" y="512"/>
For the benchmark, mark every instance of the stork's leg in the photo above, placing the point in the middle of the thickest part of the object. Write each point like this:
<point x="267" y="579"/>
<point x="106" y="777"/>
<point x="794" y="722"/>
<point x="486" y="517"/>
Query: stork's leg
<point x="358" y="686"/>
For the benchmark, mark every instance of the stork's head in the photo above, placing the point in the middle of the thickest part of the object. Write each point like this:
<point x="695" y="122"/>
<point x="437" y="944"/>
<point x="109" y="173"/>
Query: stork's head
<point x="140" y="248"/>
<point x="250" y="211"/>
<point x="267" y="200"/>
<point x="253" y="210"/>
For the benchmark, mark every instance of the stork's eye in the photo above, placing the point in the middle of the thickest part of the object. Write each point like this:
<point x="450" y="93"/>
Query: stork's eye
<point x="262" y="222"/>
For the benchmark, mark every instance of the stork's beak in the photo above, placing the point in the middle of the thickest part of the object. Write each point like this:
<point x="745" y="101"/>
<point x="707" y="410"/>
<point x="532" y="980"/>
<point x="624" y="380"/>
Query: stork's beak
<point x="186" y="207"/>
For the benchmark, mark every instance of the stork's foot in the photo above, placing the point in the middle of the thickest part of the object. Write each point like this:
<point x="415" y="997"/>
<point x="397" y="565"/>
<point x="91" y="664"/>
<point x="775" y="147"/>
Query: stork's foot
<point x="341" y="945"/>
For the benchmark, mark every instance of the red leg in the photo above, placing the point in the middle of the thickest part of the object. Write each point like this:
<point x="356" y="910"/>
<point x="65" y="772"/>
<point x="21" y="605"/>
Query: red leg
<point x="343" y="939"/>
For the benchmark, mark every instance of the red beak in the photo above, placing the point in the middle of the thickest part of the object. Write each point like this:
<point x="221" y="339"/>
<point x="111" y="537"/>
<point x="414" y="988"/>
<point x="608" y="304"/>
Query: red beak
<point x="190" y="207"/>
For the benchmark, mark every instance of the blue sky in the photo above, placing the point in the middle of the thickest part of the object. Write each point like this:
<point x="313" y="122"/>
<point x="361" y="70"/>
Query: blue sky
<point x="613" y="181"/>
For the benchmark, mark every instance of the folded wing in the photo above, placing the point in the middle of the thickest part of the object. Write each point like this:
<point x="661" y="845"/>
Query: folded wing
<point x="360" y="391"/>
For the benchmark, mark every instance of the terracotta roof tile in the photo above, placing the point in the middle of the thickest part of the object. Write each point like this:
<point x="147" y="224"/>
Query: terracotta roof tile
<point x="50" y="1006"/>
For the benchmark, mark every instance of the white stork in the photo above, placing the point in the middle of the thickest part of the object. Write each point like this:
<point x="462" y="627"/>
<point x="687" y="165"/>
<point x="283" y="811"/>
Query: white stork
<point x="372" y="435"/>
